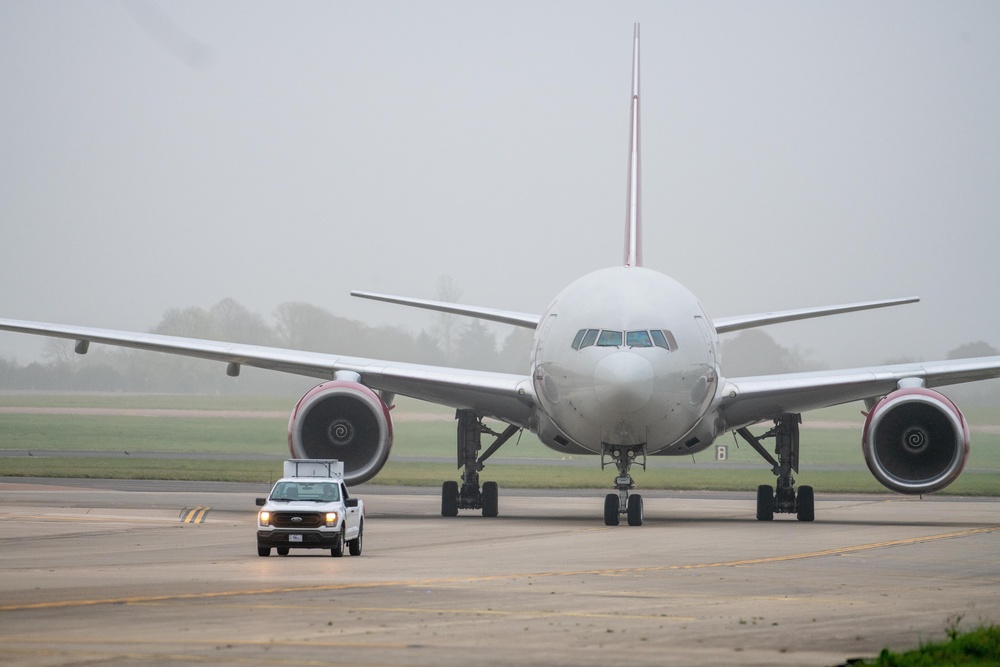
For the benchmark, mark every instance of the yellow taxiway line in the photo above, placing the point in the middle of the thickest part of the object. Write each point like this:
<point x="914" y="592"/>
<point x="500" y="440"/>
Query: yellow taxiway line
<point x="839" y="551"/>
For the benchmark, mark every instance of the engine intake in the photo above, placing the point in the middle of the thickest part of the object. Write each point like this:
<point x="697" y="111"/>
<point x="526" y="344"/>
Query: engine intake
<point x="916" y="441"/>
<point x="345" y="421"/>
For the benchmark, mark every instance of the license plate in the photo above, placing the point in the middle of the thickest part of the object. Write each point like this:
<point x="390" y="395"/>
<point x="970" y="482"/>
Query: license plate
<point x="294" y="538"/>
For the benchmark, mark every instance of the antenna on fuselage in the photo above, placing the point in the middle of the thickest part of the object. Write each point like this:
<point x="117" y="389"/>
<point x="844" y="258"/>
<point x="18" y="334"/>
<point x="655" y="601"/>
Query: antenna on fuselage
<point x="633" y="212"/>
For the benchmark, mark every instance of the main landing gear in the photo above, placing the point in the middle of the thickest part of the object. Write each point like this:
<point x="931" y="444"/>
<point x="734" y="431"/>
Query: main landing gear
<point x="617" y="504"/>
<point x="783" y="499"/>
<point x="470" y="495"/>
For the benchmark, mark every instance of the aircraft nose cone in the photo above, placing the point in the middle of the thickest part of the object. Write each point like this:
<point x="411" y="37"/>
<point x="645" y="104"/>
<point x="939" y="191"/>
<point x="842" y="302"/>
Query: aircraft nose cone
<point x="623" y="381"/>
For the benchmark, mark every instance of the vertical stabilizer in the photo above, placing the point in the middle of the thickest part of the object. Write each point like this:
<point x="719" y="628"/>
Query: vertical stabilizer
<point x="633" y="213"/>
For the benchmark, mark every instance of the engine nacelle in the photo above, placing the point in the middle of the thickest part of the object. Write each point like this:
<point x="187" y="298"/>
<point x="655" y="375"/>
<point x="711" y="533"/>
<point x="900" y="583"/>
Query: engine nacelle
<point x="916" y="441"/>
<point x="346" y="421"/>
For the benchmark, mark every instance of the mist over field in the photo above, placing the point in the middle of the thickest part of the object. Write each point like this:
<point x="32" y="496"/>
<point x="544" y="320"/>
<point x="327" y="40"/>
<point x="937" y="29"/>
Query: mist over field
<point x="450" y="341"/>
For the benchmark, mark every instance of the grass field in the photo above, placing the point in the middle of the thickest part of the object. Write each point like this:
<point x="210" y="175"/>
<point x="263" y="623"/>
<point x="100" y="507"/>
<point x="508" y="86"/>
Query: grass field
<point x="237" y="425"/>
<point x="979" y="647"/>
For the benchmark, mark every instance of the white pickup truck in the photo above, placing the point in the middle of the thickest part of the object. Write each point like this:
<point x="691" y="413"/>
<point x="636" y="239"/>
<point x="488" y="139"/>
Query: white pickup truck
<point x="309" y="508"/>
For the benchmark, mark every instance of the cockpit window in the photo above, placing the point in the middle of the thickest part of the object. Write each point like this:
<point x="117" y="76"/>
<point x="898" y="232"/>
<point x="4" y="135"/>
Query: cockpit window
<point x="609" y="338"/>
<point x="638" y="339"/>
<point x="659" y="339"/>
<point x="585" y="338"/>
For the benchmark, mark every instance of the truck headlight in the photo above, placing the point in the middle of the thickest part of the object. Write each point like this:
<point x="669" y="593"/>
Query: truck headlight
<point x="331" y="518"/>
<point x="264" y="518"/>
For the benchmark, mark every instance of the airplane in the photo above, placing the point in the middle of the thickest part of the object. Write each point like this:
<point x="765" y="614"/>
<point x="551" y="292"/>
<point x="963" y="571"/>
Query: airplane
<point x="624" y="365"/>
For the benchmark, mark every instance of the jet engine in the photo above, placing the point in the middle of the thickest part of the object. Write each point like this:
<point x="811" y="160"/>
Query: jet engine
<point x="346" y="421"/>
<point x="915" y="441"/>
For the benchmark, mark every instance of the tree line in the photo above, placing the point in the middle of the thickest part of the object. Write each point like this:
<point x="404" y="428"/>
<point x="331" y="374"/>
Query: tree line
<point x="452" y="341"/>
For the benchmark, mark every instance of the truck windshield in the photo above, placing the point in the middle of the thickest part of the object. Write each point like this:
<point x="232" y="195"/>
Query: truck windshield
<point x="323" y="492"/>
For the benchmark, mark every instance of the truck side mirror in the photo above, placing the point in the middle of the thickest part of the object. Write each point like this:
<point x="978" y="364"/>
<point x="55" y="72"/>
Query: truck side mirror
<point x="351" y="502"/>
<point x="261" y="502"/>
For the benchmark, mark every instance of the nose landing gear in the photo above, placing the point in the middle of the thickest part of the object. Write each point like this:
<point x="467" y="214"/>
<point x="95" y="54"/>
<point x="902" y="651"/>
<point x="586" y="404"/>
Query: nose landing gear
<point x="621" y="503"/>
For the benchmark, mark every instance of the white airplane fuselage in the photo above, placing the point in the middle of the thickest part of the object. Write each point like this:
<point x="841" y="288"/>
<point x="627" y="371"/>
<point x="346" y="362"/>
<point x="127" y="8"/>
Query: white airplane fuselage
<point x="625" y="356"/>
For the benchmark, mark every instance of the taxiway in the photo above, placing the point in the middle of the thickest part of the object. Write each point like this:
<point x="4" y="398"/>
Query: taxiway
<point x="166" y="573"/>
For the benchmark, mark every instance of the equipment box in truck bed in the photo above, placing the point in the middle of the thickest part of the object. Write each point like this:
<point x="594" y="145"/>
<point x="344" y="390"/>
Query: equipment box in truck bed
<point x="310" y="508"/>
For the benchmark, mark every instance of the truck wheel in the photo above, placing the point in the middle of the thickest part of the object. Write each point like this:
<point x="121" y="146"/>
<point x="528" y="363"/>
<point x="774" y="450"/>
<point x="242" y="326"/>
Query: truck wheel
<point x="282" y="551"/>
<point x="263" y="552"/>
<point x="338" y="550"/>
<point x="355" y="544"/>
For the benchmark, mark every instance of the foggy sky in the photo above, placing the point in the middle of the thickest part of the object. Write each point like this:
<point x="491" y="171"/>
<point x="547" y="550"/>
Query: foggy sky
<point x="159" y="155"/>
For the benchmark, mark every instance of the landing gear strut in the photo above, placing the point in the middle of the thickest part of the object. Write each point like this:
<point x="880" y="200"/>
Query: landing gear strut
<point x="470" y="495"/>
<point x="783" y="499"/>
<point x="616" y="504"/>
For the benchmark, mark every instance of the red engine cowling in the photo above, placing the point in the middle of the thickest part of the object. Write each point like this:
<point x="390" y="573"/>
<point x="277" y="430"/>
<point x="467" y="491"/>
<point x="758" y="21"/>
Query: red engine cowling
<point x="346" y="421"/>
<point x="916" y="441"/>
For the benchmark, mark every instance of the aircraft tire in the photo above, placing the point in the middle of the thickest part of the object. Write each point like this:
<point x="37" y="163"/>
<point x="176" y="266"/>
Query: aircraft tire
<point x="449" y="499"/>
<point x="765" y="503"/>
<point x="611" y="507"/>
<point x="634" y="507"/>
<point x="805" y="504"/>
<point x="491" y="499"/>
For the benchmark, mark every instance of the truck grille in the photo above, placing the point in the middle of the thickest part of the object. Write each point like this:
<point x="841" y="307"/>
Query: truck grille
<point x="305" y="520"/>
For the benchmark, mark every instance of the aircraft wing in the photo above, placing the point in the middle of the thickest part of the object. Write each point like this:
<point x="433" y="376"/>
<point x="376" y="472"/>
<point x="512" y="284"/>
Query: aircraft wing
<point x="727" y="324"/>
<point x="749" y="400"/>
<point x="500" y="395"/>
<point x="527" y="320"/>
<point x="722" y="325"/>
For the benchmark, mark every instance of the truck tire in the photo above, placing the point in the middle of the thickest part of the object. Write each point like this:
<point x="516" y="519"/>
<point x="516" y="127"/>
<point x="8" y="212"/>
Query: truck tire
<point x="282" y="551"/>
<point x="338" y="550"/>
<point x="355" y="544"/>
<point x="263" y="552"/>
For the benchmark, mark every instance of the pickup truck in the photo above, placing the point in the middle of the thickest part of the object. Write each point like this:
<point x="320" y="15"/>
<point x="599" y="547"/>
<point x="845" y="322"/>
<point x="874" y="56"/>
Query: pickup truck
<point x="310" y="508"/>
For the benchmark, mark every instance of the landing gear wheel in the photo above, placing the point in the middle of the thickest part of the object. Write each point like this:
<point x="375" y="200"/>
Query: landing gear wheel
<point x="282" y="551"/>
<point x="338" y="550"/>
<point x="634" y="507"/>
<point x="491" y="499"/>
<point x="472" y="494"/>
<point x="611" y="508"/>
<point x="805" y="504"/>
<point x="263" y="552"/>
<point x="449" y="499"/>
<point x="765" y="503"/>
<point x="781" y="499"/>
<point x="355" y="544"/>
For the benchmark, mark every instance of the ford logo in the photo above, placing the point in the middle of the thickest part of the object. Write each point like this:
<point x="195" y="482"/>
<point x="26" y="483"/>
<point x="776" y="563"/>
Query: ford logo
<point x="296" y="519"/>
